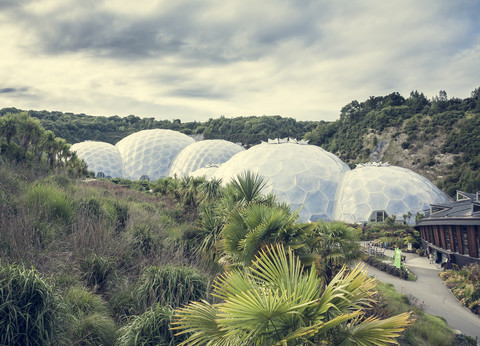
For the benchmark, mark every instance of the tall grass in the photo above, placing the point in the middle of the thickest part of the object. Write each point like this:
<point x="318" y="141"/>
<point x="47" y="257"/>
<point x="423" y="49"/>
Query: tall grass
<point x="169" y="285"/>
<point x="150" y="328"/>
<point x="88" y="319"/>
<point x="27" y="307"/>
<point x="52" y="202"/>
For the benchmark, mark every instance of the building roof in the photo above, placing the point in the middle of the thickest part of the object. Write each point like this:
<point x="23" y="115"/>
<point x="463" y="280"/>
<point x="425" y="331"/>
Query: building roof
<point x="465" y="211"/>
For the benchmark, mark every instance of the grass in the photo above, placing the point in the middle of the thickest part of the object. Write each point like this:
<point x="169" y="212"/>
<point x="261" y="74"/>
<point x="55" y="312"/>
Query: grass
<point x="427" y="329"/>
<point x="169" y="285"/>
<point x="88" y="318"/>
<point x="28" y="308"/>
<point x="150" y="328"/>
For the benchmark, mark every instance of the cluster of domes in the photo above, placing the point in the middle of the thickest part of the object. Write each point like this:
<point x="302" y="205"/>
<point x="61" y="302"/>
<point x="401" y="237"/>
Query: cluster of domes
<point x="304" y="176"/>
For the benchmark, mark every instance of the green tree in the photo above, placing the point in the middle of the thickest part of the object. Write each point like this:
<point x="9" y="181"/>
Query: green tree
<point x="276" y="301"/>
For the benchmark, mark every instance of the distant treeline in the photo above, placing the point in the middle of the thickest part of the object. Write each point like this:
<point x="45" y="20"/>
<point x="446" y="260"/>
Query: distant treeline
<point x="249" y="131"/>
<point x="419" y="119"/>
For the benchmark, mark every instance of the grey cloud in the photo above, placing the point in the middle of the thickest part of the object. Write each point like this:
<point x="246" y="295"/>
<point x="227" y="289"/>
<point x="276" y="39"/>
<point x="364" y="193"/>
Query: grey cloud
<point x="10" y="90"/>
<point x="204" y="93"/>
<point x="179" y="31"/>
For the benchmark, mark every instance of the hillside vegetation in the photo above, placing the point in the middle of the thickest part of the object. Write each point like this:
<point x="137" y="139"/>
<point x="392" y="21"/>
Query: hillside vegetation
<point x="438" y="138"/>
<point x="120" y="262"/>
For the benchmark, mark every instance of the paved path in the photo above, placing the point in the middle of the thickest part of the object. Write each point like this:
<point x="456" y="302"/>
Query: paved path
<point x="430" y="289"/>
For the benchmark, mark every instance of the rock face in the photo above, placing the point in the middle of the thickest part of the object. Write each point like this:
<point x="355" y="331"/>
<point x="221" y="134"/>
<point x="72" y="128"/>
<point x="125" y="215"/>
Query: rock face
<point x="377" y="152"/>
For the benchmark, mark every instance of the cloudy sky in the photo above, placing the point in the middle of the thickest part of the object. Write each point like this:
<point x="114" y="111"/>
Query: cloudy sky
<point x="199" y="59"/>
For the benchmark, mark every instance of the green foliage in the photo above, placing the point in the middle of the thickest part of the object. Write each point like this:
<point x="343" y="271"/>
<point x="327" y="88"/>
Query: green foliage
<point x="246" y="187"/>
<point x="465" y="285"/>
<point x="277" y="301"/>
<point x="88" y="319"/>
<point x="28" y="307"/>
<point x="248" y="229"/>
<point x="427" y="329"/>
<point x="150" y="328"/>
<point x="388" y="268"/>
<point x="169" y="285"/>
<point x="117" y="212"/>
<point x="97" y="271"/>
<point x="51" y="202"/>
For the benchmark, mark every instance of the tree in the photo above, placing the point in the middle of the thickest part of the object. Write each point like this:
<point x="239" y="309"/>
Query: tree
<point x="8" y="128"/>
<point x="336" y="245"/>
<point x="276" y="301"/>
<point x="250" y="228"/>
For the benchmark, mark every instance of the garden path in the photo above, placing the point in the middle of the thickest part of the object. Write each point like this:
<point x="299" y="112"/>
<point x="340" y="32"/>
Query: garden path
<point x="431" y="291"/>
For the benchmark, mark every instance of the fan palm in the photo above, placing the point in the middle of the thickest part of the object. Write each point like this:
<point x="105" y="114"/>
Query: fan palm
<point x="256" y="225"/>
<point x="276" y="301"/>
<point x="336" y="245"/>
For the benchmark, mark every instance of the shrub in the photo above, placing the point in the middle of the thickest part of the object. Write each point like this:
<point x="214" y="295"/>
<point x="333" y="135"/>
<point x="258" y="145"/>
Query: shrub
<point x="118" y="213"/>
<point x="89" y="319"/>
<point x="144" y="239"/>
<point x="150" y="328"/>
<point x="97" y="270"/>
<point x="387" y="267"/>
<point x="169" y="285"/>
<point x="28" y="307"/>
<point x="51" y="202"/>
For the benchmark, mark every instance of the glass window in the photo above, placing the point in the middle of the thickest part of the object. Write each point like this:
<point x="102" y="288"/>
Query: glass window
<point x="455" y="240"/>
<point x="447" y="238"/>
<point x="465" y="240"/>
<point x="477" y="240"/>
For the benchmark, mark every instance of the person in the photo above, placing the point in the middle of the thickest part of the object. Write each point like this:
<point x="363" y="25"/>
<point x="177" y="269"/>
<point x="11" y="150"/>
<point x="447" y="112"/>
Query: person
<point x="430" y="256"/>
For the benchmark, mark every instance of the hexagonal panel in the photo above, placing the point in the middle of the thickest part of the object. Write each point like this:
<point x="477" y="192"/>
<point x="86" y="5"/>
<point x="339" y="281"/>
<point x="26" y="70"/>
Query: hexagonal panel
<point x="152" y="150"/>
<point x="201" y="154"/>
<point x="100" y="157"/>
<point x="402" y="191"/>
<point x="287" y="166"/>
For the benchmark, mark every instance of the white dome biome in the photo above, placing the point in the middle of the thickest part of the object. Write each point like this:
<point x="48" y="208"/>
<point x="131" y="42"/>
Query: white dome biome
<point x="101" y="158"/>
<point x="148" y="154"/>
<point x="201" y="154"/>
<point x="372" y="192"/>
<point x="300" y="175"/>
<point x="206" y="172"/>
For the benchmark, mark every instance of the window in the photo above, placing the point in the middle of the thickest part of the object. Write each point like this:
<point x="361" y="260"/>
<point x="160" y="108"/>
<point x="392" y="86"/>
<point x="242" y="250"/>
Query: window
<point x="465" y="240"/>
<point x="455" y="240"/>
<point x="447" y="239"/>
<point x="477" y="240"/>
<point x="378" y="216"/>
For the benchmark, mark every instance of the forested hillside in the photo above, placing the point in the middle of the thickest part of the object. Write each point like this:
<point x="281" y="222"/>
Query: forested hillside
<point x="438" y="138"/>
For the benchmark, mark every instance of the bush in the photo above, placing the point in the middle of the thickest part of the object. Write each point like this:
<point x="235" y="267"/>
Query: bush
<point x="52" y="203"/>
<point x="97" y="270"/>
<point x="387" y="267"/>
<point x="169" y="285"/>
<point x="150" y="328"/>
<point x="28" y="307"/>
<point x="89" y="319"/>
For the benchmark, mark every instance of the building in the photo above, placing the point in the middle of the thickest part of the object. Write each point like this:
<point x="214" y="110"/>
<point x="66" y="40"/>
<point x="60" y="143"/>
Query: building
<point x="451" y="230"/>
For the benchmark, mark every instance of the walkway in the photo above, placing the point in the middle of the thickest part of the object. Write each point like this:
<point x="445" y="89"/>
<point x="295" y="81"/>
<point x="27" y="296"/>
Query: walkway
<point x="430" y="289"/>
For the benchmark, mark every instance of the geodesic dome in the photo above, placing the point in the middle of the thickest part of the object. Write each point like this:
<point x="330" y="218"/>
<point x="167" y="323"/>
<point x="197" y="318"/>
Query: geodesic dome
<point x="201" y="154"/>
<point x="101" y="158"/>
<point x="301" y="175"/>
<point x="150" y="153"/>
<point x="372" y="192"/>
<point x="206" y="172"/>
